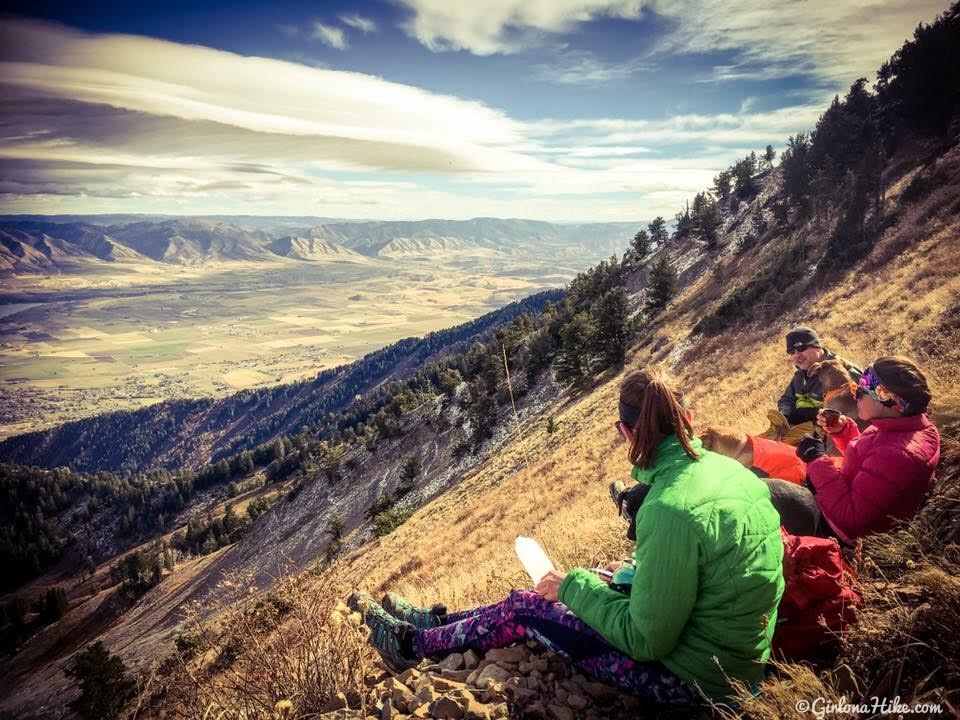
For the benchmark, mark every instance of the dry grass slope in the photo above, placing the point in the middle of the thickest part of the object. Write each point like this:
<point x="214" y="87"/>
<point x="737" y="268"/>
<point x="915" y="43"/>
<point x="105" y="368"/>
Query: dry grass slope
<point x="904" y="297"/>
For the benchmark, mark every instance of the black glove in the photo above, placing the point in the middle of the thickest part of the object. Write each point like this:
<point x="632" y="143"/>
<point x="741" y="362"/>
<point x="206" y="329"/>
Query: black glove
<point x="810" y="448"/>
<point x="628" y="503"/>
<point x="802" y="415"/>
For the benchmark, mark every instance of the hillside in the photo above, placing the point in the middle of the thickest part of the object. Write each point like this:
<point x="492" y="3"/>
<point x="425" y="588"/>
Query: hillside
<point x="554" y="485"/>
<point x="191" y="433"/>
<point x="866" y="254"/>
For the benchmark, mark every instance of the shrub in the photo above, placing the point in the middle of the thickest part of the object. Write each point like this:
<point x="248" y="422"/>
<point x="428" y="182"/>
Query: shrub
<point x="389" y="520"/>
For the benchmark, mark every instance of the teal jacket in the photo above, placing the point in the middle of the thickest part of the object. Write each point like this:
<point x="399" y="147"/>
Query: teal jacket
<point x="709" y="573"/>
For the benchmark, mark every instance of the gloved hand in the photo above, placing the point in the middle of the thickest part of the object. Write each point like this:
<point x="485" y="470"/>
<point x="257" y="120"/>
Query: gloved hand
<point x="802" y="415"/>
<point x="629" y="500"/>
<point x="810" y="448"/>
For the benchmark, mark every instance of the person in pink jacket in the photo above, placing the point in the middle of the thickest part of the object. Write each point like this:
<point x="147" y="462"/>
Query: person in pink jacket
<point x="885" y="473"/>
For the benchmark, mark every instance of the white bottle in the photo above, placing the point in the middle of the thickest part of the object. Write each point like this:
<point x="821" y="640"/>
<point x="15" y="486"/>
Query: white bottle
<point x="533" y="558"/>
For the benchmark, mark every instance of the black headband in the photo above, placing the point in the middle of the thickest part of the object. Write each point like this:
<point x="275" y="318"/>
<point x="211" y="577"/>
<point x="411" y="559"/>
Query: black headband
<point x="629" y="415"/>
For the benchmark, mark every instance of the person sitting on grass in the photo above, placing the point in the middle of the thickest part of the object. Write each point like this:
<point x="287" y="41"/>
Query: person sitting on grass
<point x="885" y="473"/>
<point x="701" y="610"/>
<point x="803" y="397"/>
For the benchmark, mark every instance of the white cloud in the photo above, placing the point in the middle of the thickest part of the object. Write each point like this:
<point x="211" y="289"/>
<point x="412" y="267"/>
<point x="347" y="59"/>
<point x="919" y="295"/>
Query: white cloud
<point x="161" y="78"/>
<point x="99" y="122"/>
<point x="580" y="67"/>
<point x="329" y="35"/>
<point x="836" y="42"/>
<point x="485" y="27"/>
<point x="358" y="22"/>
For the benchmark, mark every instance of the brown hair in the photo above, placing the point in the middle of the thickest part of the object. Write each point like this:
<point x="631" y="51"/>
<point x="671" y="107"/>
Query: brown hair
<point x="661" y="413"/>
<point x="901" y="377"/>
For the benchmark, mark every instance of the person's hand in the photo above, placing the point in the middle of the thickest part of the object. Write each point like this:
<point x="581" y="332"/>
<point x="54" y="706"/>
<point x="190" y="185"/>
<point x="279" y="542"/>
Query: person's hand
<point x="830" y="422"/>
<point x="549" y="585"/>
<point x="810" y="448"/>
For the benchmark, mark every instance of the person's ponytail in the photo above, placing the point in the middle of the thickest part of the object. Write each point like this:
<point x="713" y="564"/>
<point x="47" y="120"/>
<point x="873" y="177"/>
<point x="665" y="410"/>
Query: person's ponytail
<point x="661" y="412"/>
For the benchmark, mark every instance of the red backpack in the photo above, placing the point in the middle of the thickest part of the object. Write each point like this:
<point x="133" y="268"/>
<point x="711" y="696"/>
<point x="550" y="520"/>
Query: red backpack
<point x="819" y="602"/>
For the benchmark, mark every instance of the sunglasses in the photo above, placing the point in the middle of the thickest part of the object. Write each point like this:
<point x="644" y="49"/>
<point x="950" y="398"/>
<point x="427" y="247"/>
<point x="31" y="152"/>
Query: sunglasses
<point x="870" y="385"/>
<point x="798" y="349"/>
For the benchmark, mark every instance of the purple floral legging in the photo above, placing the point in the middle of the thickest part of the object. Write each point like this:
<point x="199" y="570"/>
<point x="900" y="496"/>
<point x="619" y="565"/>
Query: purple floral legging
<point x="526" y="615"/>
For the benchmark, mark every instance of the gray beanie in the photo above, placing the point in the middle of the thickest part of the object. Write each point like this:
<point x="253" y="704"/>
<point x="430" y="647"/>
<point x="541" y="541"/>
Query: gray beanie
<point x="801" y="335"/>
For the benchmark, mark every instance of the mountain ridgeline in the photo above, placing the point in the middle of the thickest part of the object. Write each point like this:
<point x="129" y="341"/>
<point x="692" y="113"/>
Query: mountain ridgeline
<point x="32" y="246"/>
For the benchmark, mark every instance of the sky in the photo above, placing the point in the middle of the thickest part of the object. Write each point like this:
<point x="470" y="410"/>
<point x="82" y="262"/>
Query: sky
<point x="559" y="110"/>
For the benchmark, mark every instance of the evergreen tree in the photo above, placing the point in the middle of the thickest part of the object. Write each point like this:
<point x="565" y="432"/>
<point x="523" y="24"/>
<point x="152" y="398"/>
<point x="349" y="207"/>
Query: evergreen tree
<point x="796" y="170"/>
<point x="661" y="287"/>
<point x="539" y="353"/>
<point x="722" y="185"/>
<point x="743" y="172"/>
<point x="640" y="245"/>
<point x="768" y="157"/>
<point x="658" y="231"/>
<point x="55" y="604"/>
<point x="707" y="221"/>
<point x="104" y="685"/>
<point x="611" y="320"/>
<point x="412" y="465"/>
<point x="335" y="530"/>
<point x="576" y="341"/>
<point x="684" y="221"/>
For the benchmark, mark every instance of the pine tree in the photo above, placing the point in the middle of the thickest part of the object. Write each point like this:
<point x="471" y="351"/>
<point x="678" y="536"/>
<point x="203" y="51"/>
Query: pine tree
<point x="721" y="185"/>
<point x="55" y="604"/>
<point x="658" y="231"/>
<point x="640" y="245"/>
<point x="611" y="320"/>
<point x="661" y="287"/>
<point x="768" y="157"/>
<point x="104" y="685"/>
<point x="576" y="342"/>
<point x="684" y="221"/>
<point x="412" y="466"/>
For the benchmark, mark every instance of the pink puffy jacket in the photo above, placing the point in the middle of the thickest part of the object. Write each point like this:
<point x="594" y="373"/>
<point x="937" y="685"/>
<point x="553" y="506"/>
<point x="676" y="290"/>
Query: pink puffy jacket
<point x="885" y="475"/>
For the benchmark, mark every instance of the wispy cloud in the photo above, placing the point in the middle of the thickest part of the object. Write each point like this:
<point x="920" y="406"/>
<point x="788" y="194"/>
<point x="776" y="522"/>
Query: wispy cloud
<point x="581" y="67"/>
<point x="485" y="27"/>
<point x="358" y="22"/>
<point x="148" y="125"/>
<point x="835" y="42"/>
<point x="329" y="35"/>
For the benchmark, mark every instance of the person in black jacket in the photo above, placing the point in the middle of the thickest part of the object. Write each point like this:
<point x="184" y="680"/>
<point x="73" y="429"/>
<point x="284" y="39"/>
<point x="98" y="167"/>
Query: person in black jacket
<point x="804" y="395"/>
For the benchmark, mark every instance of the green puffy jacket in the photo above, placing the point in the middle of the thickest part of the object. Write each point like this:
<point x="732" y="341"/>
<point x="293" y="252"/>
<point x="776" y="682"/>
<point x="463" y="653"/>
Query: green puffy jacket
<point x="709" y="573"/>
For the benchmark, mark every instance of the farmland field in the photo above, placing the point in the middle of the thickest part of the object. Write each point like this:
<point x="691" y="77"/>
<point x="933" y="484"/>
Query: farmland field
<point x="76" y="345"/>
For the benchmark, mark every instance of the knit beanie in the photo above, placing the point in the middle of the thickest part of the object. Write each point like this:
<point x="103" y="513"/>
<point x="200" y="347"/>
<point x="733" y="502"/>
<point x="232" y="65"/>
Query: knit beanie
<point x="802" y="336"/>
<point x="905" y="380"/>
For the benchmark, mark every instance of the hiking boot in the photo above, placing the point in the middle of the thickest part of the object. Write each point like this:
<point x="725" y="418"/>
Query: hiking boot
<point x="391" y="637"/>
<point x="421" y="618"/>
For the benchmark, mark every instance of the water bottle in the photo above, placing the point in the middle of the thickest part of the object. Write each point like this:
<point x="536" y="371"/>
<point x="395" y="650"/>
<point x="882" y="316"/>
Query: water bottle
<point x="533" y="558"/>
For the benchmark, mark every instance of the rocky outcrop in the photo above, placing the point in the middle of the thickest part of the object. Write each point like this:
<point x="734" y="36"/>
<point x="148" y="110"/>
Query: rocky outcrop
<point x="519" y="681"/>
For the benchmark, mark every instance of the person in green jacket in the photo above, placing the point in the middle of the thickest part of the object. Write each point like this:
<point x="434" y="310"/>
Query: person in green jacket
<point x="700" y="612"/>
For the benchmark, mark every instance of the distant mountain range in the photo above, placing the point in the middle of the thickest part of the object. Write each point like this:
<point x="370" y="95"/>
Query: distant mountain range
<point x="62" y="245"/>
